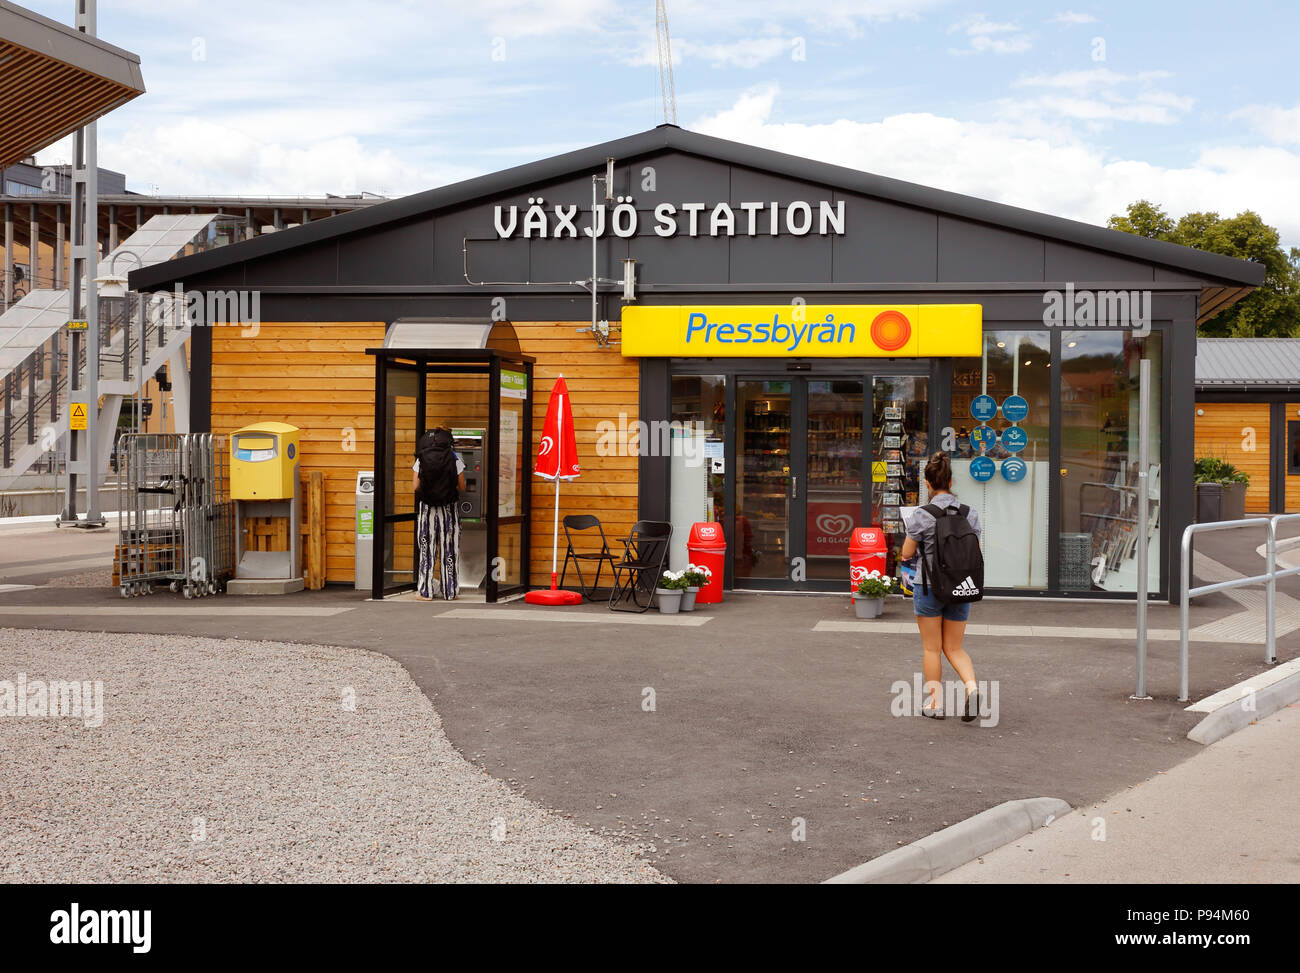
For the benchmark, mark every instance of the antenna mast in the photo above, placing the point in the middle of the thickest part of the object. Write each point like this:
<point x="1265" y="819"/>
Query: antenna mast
<point x="665" y="63"/>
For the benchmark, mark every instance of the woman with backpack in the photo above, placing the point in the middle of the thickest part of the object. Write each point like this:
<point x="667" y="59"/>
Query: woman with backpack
<point x="946" y="534"/>
<point x="437" y="478"/>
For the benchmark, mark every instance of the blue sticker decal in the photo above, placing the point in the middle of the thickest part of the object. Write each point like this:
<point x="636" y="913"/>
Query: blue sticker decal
<point x="1014" y="469"/>
<point x="291" y="451"/>
<point x="1014" y="439"/>
<point x="981" y="469"/>
<point x="983" y="408"/>
<point x="983" y="438"/>
<point x="1015" y="408"/>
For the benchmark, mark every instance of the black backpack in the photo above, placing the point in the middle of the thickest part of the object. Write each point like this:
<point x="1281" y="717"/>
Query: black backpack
<point x="955" y="568"/>
<point x="437" y="468"/>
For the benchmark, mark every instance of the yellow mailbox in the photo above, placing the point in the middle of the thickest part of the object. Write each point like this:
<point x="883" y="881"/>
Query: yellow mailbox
<point x="264" y="462"/>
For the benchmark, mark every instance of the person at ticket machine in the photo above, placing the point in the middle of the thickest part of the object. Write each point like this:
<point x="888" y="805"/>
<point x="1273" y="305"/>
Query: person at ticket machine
<point x="437" y="478"/>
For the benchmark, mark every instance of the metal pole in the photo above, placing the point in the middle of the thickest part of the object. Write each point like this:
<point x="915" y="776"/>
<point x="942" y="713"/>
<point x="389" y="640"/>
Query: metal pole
<point x="1270" y="595"/>
<point x="1184" y="575"/>
<point x="89" y="233"/>
<point x="1144" y="459"/>
<point x="83" y="304"/>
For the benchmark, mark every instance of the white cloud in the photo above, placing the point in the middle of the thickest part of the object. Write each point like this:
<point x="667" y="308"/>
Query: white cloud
<point x="1278" y="125"/>
<point x="1097" y="95"/>
<point x="199" y="157"/>
<point x="1071" y="18"/>
<point x="747" y="53"/>
<point x="1089" y="78"/>
<point x="1059" y="171"/>
<point x="987" y="36"/>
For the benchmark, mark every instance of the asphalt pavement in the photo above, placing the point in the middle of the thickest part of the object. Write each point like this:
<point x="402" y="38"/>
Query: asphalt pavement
<point x="747" y="743"/>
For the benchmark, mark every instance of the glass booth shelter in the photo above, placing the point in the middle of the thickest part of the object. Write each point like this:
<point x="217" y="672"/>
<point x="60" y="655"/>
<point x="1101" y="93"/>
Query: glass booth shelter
<point x="485" y="397"/>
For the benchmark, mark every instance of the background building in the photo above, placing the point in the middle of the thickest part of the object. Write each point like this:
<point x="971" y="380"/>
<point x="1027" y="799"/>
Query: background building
<point x="1248" y="413"/>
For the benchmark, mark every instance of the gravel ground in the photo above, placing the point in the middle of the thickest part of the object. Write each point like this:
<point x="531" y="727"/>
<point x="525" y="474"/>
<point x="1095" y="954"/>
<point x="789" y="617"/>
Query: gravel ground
<point x="251" y="747"/>
<point x="100" y="578"/>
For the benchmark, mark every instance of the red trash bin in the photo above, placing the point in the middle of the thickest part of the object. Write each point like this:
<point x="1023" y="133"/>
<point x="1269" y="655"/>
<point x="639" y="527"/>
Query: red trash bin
<point x="866" y="554"/>
<point x="708" y="547"/>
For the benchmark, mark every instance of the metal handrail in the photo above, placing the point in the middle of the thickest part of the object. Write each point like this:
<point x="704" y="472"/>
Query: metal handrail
<point x="1268" y="578"/>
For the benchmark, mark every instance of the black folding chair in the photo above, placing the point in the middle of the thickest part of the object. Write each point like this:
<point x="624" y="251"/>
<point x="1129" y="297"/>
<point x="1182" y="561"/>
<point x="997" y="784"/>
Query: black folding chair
<point x="577" y="523"/>
<point x="645" y="552"/>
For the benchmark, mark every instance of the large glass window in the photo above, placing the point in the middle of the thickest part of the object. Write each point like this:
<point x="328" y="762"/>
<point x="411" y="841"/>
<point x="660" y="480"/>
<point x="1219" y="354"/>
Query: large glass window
<point x="999" y="440"/>
<point x="763" y="533"/>
<point x="697" y="471"/>
<point x="1099" y="459"/>
<point x="900" y="445"/>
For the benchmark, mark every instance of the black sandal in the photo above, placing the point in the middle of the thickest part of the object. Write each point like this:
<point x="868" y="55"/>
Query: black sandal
<point x="933" y="714"/>
<point x="972" y="707"/>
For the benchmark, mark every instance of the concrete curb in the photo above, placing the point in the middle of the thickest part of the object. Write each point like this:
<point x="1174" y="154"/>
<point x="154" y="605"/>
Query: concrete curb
<point x="1233" y="717"/>
<point x="964" y="841"/>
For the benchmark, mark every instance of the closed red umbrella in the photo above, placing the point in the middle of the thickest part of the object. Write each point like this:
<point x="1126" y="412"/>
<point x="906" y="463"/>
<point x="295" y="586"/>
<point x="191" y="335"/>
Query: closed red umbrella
<point x="557" y="459"/>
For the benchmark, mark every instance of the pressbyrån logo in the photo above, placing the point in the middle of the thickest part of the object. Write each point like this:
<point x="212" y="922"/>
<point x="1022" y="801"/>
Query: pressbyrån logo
<point x="547" y="444"/>
<point x="967" y="587"/>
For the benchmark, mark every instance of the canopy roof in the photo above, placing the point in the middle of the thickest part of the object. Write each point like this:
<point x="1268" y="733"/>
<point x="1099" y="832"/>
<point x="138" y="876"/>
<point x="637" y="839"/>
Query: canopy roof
<point x="54" y="80"/>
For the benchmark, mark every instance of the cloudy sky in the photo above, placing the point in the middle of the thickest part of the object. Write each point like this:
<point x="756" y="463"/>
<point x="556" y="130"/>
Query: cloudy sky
<point x="1072" y="109"/>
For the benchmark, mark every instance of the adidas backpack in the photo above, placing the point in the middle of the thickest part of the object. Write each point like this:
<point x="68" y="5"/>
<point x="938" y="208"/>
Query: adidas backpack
<point x="955" y="569"/>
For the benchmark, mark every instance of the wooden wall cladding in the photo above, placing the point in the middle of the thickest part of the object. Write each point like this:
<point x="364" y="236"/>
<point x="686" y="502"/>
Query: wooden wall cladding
<point x="317" y="376"/>
<point x="1292" y="482"/>
<point x="1224" y="431"/>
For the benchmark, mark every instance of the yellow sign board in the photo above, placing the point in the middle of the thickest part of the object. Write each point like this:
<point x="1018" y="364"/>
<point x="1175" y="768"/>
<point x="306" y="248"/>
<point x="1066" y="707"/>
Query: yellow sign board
<point x="78" y="325"/>
<point x="77" y="417"/>
<point x="803" y="331"/>
<point x="878" y="470"/>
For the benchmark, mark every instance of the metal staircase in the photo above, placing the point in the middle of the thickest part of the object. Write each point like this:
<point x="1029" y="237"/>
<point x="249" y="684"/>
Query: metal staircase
<point x="138" y="334"/>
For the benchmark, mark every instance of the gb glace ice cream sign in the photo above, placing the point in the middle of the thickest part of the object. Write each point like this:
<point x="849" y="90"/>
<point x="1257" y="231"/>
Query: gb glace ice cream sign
<point x="803" y="331"/>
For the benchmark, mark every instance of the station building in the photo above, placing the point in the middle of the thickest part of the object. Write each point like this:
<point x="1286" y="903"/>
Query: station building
<point x="772" y="343"/>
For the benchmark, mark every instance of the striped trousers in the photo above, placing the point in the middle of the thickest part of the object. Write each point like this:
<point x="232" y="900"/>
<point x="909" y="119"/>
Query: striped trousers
<point x="438" y="536"/>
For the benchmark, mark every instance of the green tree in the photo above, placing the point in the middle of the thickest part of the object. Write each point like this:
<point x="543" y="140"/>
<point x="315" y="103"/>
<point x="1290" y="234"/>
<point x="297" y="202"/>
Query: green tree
<point x="1270" y="311"/>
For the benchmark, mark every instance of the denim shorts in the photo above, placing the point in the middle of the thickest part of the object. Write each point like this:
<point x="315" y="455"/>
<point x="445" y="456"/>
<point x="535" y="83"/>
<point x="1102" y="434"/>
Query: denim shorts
<point x="928" y="606"/>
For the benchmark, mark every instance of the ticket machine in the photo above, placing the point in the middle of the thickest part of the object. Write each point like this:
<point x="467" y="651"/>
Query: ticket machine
<point x="471" y="447"/>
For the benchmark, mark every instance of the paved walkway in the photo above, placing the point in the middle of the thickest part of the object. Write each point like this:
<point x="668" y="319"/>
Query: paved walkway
<point x="757" y="744"/>
<point x="1227" y="814"/>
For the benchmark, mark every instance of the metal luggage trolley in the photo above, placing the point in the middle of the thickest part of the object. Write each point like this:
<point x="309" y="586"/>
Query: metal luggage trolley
<point x="175" y="514"/>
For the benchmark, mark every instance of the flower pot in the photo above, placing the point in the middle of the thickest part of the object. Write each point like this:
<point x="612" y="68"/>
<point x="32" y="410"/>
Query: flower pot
<point x="1234" y="501"/>
<point x="669" y="600"/>
<point x="688" y="598"/>
<point x="868" y="607"/>
<point x="1209" y="502"/>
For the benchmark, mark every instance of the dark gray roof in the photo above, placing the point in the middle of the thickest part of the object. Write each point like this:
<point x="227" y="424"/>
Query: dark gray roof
<point x="1247" y="362"/>
<point x="1209" y="267"/>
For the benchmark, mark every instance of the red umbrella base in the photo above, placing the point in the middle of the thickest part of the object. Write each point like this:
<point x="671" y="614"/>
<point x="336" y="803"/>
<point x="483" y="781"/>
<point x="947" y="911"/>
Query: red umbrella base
<point x="554" y="596"/>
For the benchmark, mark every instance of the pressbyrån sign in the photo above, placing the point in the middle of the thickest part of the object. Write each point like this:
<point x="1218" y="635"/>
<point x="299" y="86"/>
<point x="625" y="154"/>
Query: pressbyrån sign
<point x="803" y="331"/>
